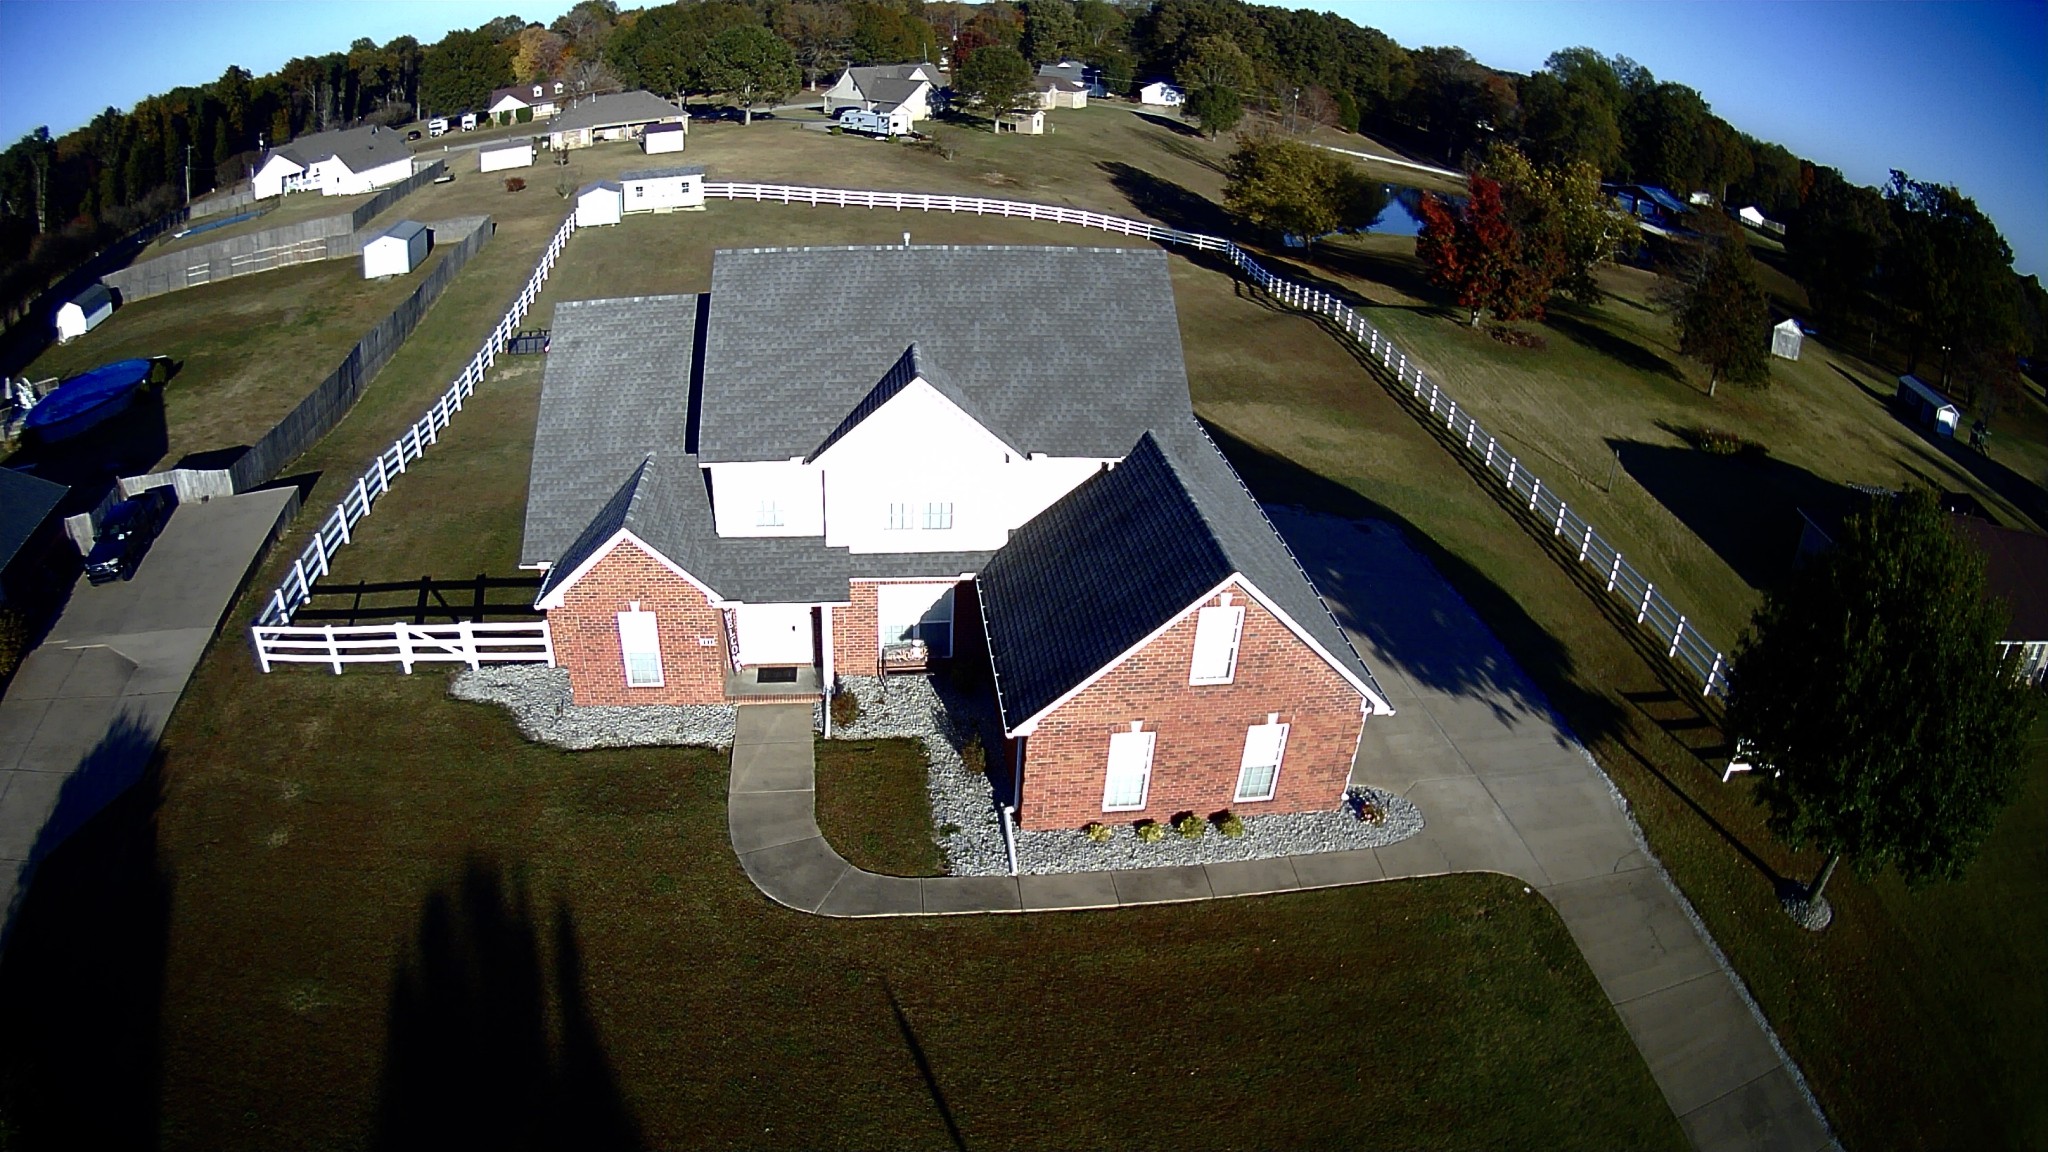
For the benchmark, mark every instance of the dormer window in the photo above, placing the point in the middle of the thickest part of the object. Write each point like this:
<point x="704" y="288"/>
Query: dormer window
<point x="768" y="515"/>
<point x="536" y="90"/>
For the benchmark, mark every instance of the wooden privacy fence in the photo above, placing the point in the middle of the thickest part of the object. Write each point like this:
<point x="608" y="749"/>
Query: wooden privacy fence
<point x="1674" y="631"/>
<point x="404" y="644"/>
<point x="275" y="637"/>
<point x="423" y="599"/>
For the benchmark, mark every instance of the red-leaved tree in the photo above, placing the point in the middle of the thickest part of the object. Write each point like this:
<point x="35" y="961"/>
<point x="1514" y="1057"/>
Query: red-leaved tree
<point x="1475" y="253"/>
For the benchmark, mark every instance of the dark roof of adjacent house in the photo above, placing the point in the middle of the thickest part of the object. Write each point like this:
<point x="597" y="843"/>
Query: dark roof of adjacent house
<point x="617" y="387"/>
<point x="94" y="297"/>
<point x="2016" y="571"/>
<point x="524" y="92"/>
<point x="360" y="149"/>
<point x="25" y="502"/>
<point x="660" y="173"/>
<point x="889" y="91"/>
<point x="1066" y="351"/>
<point x="1078" y="73"/>
<point x="1044" y="83"/>
<point x="864" y="74"/>
<point x="665" y="503"/>
<point x="675" y="126"/>
<point x="1138" y="545"/>
<point x="635" y="107"/>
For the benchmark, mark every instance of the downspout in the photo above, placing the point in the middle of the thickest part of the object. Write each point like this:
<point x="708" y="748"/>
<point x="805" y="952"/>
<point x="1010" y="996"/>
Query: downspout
<point x="825" y="676"/>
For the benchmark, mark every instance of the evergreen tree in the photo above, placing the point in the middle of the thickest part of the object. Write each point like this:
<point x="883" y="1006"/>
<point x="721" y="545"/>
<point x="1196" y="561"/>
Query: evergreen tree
<point x="1722" y="318"/>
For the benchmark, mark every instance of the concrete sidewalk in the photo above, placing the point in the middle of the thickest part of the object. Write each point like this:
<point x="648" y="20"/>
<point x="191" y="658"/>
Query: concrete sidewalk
<point x="1504" y="788"/>
<point x="82" y="716"/>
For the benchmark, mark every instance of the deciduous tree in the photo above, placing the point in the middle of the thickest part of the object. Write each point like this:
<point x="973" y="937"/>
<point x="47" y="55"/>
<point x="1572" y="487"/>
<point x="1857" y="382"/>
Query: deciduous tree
<point x="1215" y="108"/>
<point x="995" y="77"/>
<point x="1562" y="218"/>
<point x="751" y="65"/>
<point x="1050" y="31"/>
<point x="1295" y="189"/>
<point x="1722" y="318"/>
<point x="1475" y="253"/>
<point x="1871" y="697"/>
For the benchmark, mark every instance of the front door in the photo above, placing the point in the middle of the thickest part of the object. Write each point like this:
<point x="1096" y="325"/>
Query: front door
<point x="774" y="633"/>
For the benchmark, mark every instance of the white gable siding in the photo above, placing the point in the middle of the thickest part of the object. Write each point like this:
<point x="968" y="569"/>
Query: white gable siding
<point x="741" y="492"/>
<point x="919" y="449"/>
<point x="271" y="179"/>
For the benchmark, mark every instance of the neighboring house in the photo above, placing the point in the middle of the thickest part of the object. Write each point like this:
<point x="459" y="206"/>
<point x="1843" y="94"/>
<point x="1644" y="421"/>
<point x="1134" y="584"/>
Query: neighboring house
<point x="541" y="99"/>
<point x="1786" y="339"/>
<point x="906" y="93"/>
<point x="397" y="250"/>
<point x="757" y="491"/>
<point x="346" y="162"/>
<point x="662" y="189"/>
<point x="2016" y="571"/>
<point x="620" y="116"/>
<point x="37" y="560"/>
<point x="1650" y="204"/>
<point x="1162" y="94"/>
<point x="1054" y="92"/>
<point x="1073" y="71"/>
<point x="659" y="138"/>
<point x="504" y="157"/>
<point x="84" y="312"/>
<point x="1022" y="123"/>
<point x="599" y="202"/>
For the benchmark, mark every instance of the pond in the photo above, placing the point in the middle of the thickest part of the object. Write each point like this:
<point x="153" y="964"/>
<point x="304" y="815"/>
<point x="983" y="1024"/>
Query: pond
<point x="1401" y="216"/>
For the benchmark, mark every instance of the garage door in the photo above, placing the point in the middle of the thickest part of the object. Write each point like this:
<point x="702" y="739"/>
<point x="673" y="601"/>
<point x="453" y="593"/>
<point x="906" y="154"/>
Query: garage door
<point x="775" y="633"/>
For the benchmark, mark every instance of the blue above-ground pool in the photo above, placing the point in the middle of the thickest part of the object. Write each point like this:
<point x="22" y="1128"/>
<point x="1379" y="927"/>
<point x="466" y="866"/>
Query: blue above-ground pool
<point x="89" y="398"/>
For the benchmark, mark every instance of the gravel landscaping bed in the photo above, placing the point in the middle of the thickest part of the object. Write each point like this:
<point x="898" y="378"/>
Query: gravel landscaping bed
<point x="538" y="698"/>
<point x="918" y="707"/>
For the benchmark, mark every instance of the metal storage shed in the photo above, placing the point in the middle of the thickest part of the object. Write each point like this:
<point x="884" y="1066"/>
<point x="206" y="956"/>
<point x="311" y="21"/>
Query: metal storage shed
<point x="396" y="251"/>
<point x="1786" y="339"/>
<point x="598" y="203"/>
<point x="1926" y="407"/>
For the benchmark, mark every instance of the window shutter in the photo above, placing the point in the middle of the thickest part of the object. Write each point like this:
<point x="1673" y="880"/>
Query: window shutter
<point x="1217" y="631"/>
<point x="640" y="648"/>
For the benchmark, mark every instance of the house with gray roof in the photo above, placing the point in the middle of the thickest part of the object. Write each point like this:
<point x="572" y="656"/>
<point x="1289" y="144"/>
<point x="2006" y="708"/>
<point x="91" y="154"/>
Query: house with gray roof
<point x="904" y="93"/>
<point x="618" y="116"/>
<point x="852" y="461"/>
<point x="344" y="162"/>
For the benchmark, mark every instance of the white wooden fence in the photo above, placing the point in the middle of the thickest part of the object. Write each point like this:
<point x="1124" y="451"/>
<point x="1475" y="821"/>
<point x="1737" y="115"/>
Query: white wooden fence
<point x="406" y="644"/>
<point x="1674" y="631"/>
<point x="277" y="641"/>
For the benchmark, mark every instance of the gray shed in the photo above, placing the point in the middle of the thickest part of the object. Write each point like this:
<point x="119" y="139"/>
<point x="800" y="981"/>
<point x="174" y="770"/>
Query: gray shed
<point x="396" y="251"/>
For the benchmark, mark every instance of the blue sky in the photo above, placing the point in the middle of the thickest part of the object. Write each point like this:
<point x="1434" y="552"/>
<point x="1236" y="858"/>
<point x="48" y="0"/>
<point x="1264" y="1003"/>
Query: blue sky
<point x="1955" y="92"/>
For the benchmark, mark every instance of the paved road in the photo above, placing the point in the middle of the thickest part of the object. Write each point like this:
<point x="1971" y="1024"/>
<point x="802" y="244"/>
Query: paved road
<point x="83" y="713"/>
<point x="1504" y="788"/>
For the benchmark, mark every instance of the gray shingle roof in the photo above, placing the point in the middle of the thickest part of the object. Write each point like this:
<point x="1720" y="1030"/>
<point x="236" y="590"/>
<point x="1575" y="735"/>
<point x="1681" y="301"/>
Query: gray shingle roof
<point x="617" y="387"/>
<point x="658" y="173"/>
<point x="888" y="90"/>
<point x="1138" y="545"/>
<point x="1067" y="351"/>
<point x="25" y="502"/>
<point x="360" y="148"/>
<point x="1075" y="73"/>
<point x="635" y="107"/>
<point x="402" y="230"/>
<point x="95" y="296"/>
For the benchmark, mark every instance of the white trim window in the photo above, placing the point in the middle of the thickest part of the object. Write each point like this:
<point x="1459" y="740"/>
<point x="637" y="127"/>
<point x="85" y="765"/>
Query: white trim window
<point x="1128" y="781"/>
<point x="1258" y="772"/>
<point x="640" y="648"/>
<point x="938" y="516"/>
<point x="768" y="514"/>
<point x="1217" y="631"/>
<point x="900" y="517"/>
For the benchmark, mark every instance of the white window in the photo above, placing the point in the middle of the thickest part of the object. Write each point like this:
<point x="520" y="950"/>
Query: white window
<point x="916" y="612"/>
<point x="1216" y="634"/>
<point x="1130" y="770"/>
<point x="938" y="516"/>
<point x="640" y="646"/>
<point x="1258" y="774"/>
<point x="899" y="517"/>
<point x="768" y="515"/>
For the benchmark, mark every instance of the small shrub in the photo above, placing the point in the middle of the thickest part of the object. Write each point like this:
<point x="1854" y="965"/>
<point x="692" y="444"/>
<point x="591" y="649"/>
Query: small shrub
<point x="1718" y="442"/>
<point x="14" y="645"/>
<point x="514" y="184"/>
<point x="1366" y="807"/>
<point x="949" y="829"/>
<point x="1150" y="831"/>
<point x="1098" y="832"/>
<point x="845" y="709"/>
<point x="1230" y="824"/>
<point x="1516" y="338"/>
<point x="974" y="757"/>
<point x="1190" y="826"/>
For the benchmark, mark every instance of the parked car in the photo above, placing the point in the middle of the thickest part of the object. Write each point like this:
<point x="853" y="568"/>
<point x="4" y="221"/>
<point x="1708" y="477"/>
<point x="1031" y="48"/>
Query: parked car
<point x="413" y="135"/>
<point x="126" y="534"/>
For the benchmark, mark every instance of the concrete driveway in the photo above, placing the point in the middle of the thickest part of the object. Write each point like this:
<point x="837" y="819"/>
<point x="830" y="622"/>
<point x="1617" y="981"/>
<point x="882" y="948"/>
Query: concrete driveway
<point x="82" y="716"/>
<point x="1505" y="787"/>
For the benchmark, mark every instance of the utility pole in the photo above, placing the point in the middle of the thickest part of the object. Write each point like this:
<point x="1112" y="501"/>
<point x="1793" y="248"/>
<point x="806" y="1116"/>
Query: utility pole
<point x="188" y="175"/>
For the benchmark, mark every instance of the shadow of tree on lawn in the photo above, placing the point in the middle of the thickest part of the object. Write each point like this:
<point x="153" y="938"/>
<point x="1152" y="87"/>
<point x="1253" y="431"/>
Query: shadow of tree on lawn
<point x="468" y="1063"/>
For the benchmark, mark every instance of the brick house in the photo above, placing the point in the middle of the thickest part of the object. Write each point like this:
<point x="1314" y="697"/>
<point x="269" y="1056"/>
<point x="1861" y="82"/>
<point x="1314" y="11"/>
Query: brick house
<point x="827" y="467"/>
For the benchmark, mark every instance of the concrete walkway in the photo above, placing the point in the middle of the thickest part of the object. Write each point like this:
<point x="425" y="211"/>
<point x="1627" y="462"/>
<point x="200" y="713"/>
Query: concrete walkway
<point x="1504" y="788"/>
<point x="82" y="716"/>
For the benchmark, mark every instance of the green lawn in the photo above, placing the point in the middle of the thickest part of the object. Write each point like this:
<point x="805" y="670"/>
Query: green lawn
<point x="351" y="906"/>
<point x="872" y="806"/>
